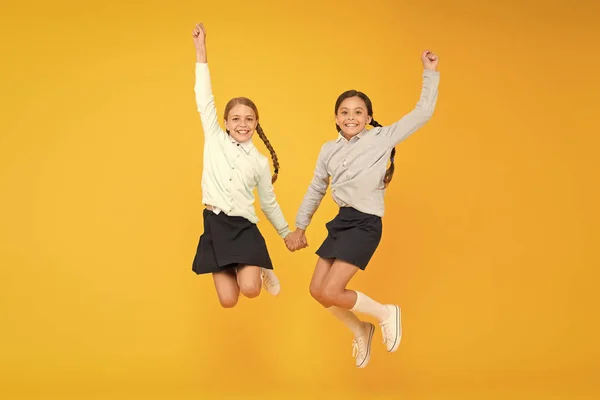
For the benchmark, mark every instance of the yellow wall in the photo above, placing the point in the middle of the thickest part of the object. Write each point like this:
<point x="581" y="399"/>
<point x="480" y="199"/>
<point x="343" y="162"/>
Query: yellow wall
<point x="488" y="237"/>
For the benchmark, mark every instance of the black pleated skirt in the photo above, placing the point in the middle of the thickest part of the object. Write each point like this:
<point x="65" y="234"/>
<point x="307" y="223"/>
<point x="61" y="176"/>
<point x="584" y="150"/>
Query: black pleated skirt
<point x="228" y="242"/>
<point x="353" y="236"/>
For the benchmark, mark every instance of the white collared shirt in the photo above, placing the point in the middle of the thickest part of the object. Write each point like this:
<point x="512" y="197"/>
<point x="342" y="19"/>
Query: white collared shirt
<point x="232" y="170"/>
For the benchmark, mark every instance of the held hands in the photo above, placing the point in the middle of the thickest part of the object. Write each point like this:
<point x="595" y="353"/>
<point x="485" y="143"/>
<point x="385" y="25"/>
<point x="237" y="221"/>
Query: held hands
<point x="430" y="60"/>
<point x="199" y="35"/>
<point x="296" y="240"/>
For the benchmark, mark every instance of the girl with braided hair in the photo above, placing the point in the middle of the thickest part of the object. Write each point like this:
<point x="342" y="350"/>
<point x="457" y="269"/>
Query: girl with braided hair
<point x="231" y="248"/>
<point x="356" y="163"/>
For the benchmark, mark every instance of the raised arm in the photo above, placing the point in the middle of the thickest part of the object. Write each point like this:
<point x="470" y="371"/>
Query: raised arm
<point x="423" y="111"/>
<point x="205" y="101"/>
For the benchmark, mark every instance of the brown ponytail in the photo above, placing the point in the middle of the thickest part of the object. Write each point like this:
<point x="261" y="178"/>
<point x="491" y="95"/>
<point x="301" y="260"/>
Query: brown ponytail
<point x="249" y="103"/>
<point x="269" y="147"/>
<point x="389" y="173"/>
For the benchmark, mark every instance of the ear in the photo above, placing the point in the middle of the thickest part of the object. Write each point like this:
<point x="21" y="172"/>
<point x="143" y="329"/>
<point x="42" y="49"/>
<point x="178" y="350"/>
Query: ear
<point x="226" y="126"/>
<point x="369" y="120"/>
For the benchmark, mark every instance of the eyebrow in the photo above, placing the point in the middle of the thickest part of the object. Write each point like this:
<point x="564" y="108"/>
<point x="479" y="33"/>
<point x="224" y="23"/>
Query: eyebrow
<point x="356" y="108"/>
<point x="238" y="115"/>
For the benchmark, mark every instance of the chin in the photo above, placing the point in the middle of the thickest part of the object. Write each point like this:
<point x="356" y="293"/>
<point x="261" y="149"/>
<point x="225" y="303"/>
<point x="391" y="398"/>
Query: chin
<point x="242" y="138"/>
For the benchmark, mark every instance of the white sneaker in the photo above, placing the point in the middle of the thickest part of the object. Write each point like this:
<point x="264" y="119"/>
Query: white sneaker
<point x="361" y="345"/>
<point x="391" y="328"/>
<point x="270" y="281"/>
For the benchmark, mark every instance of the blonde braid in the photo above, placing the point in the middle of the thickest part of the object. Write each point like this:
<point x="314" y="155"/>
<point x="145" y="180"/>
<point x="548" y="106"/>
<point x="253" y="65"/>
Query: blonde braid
<point x="269" y="147"/>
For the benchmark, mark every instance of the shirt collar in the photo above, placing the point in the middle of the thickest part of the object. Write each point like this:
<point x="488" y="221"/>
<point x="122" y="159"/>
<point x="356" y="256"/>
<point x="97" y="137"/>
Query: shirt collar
<point x="247" y="145"/>
<point x="340" y="137"/>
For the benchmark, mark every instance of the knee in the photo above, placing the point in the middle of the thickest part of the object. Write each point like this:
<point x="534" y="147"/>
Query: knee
<point x="228" y="301"/>
<point x="250" y="289"/>
<point x="317" y="293"/>
<point x="330" y="295"/>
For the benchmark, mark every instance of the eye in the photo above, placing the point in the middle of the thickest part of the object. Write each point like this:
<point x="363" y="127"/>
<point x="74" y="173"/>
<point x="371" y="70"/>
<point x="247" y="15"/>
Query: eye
<point x="359" y="112"/>
<point x="344" y="113"/>
<point x="235" y="119"/>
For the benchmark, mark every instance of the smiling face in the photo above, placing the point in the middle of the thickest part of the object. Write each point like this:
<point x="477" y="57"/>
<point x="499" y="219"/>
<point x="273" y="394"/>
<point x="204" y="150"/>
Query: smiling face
<point x="352" y="116"/>
<point x="241" y="123"/>
<point x="241" y="119"/>
<point x="353" y="111"/>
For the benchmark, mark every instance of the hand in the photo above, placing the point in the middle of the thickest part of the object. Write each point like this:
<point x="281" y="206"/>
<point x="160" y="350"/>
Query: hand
<point x="430" y="60"/>
<point x="199" y="35"/>
<point x="296" y="240"/>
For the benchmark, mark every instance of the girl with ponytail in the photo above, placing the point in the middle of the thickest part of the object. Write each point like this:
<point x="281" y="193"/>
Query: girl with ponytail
<point x="356" y="162"/>
<point x="231" y="248"/>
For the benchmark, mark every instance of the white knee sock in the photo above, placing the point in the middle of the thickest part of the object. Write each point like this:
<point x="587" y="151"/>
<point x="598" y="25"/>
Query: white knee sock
<point x="349" y="319"/>
<point x="367" y="305"/>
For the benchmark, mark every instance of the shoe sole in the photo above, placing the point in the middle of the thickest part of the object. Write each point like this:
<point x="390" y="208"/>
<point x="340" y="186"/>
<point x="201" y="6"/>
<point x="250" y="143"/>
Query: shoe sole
<point x="368" y="357"/>
<point x="398" y="331"/>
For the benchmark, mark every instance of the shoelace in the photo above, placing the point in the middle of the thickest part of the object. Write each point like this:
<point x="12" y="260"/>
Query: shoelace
<point x="386" y="333"/>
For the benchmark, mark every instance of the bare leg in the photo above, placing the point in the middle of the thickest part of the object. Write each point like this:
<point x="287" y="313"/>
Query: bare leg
<point x="248" y="279"/>
<point x="334" y="292"/>
<point x="227" y="288"/>
<point x="328" y="288"/>
<point x="334" y="286"/>
<point x="316" y="284"/>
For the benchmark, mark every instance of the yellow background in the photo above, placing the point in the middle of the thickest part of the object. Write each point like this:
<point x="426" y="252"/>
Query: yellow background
<point x="489" y="235"/>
